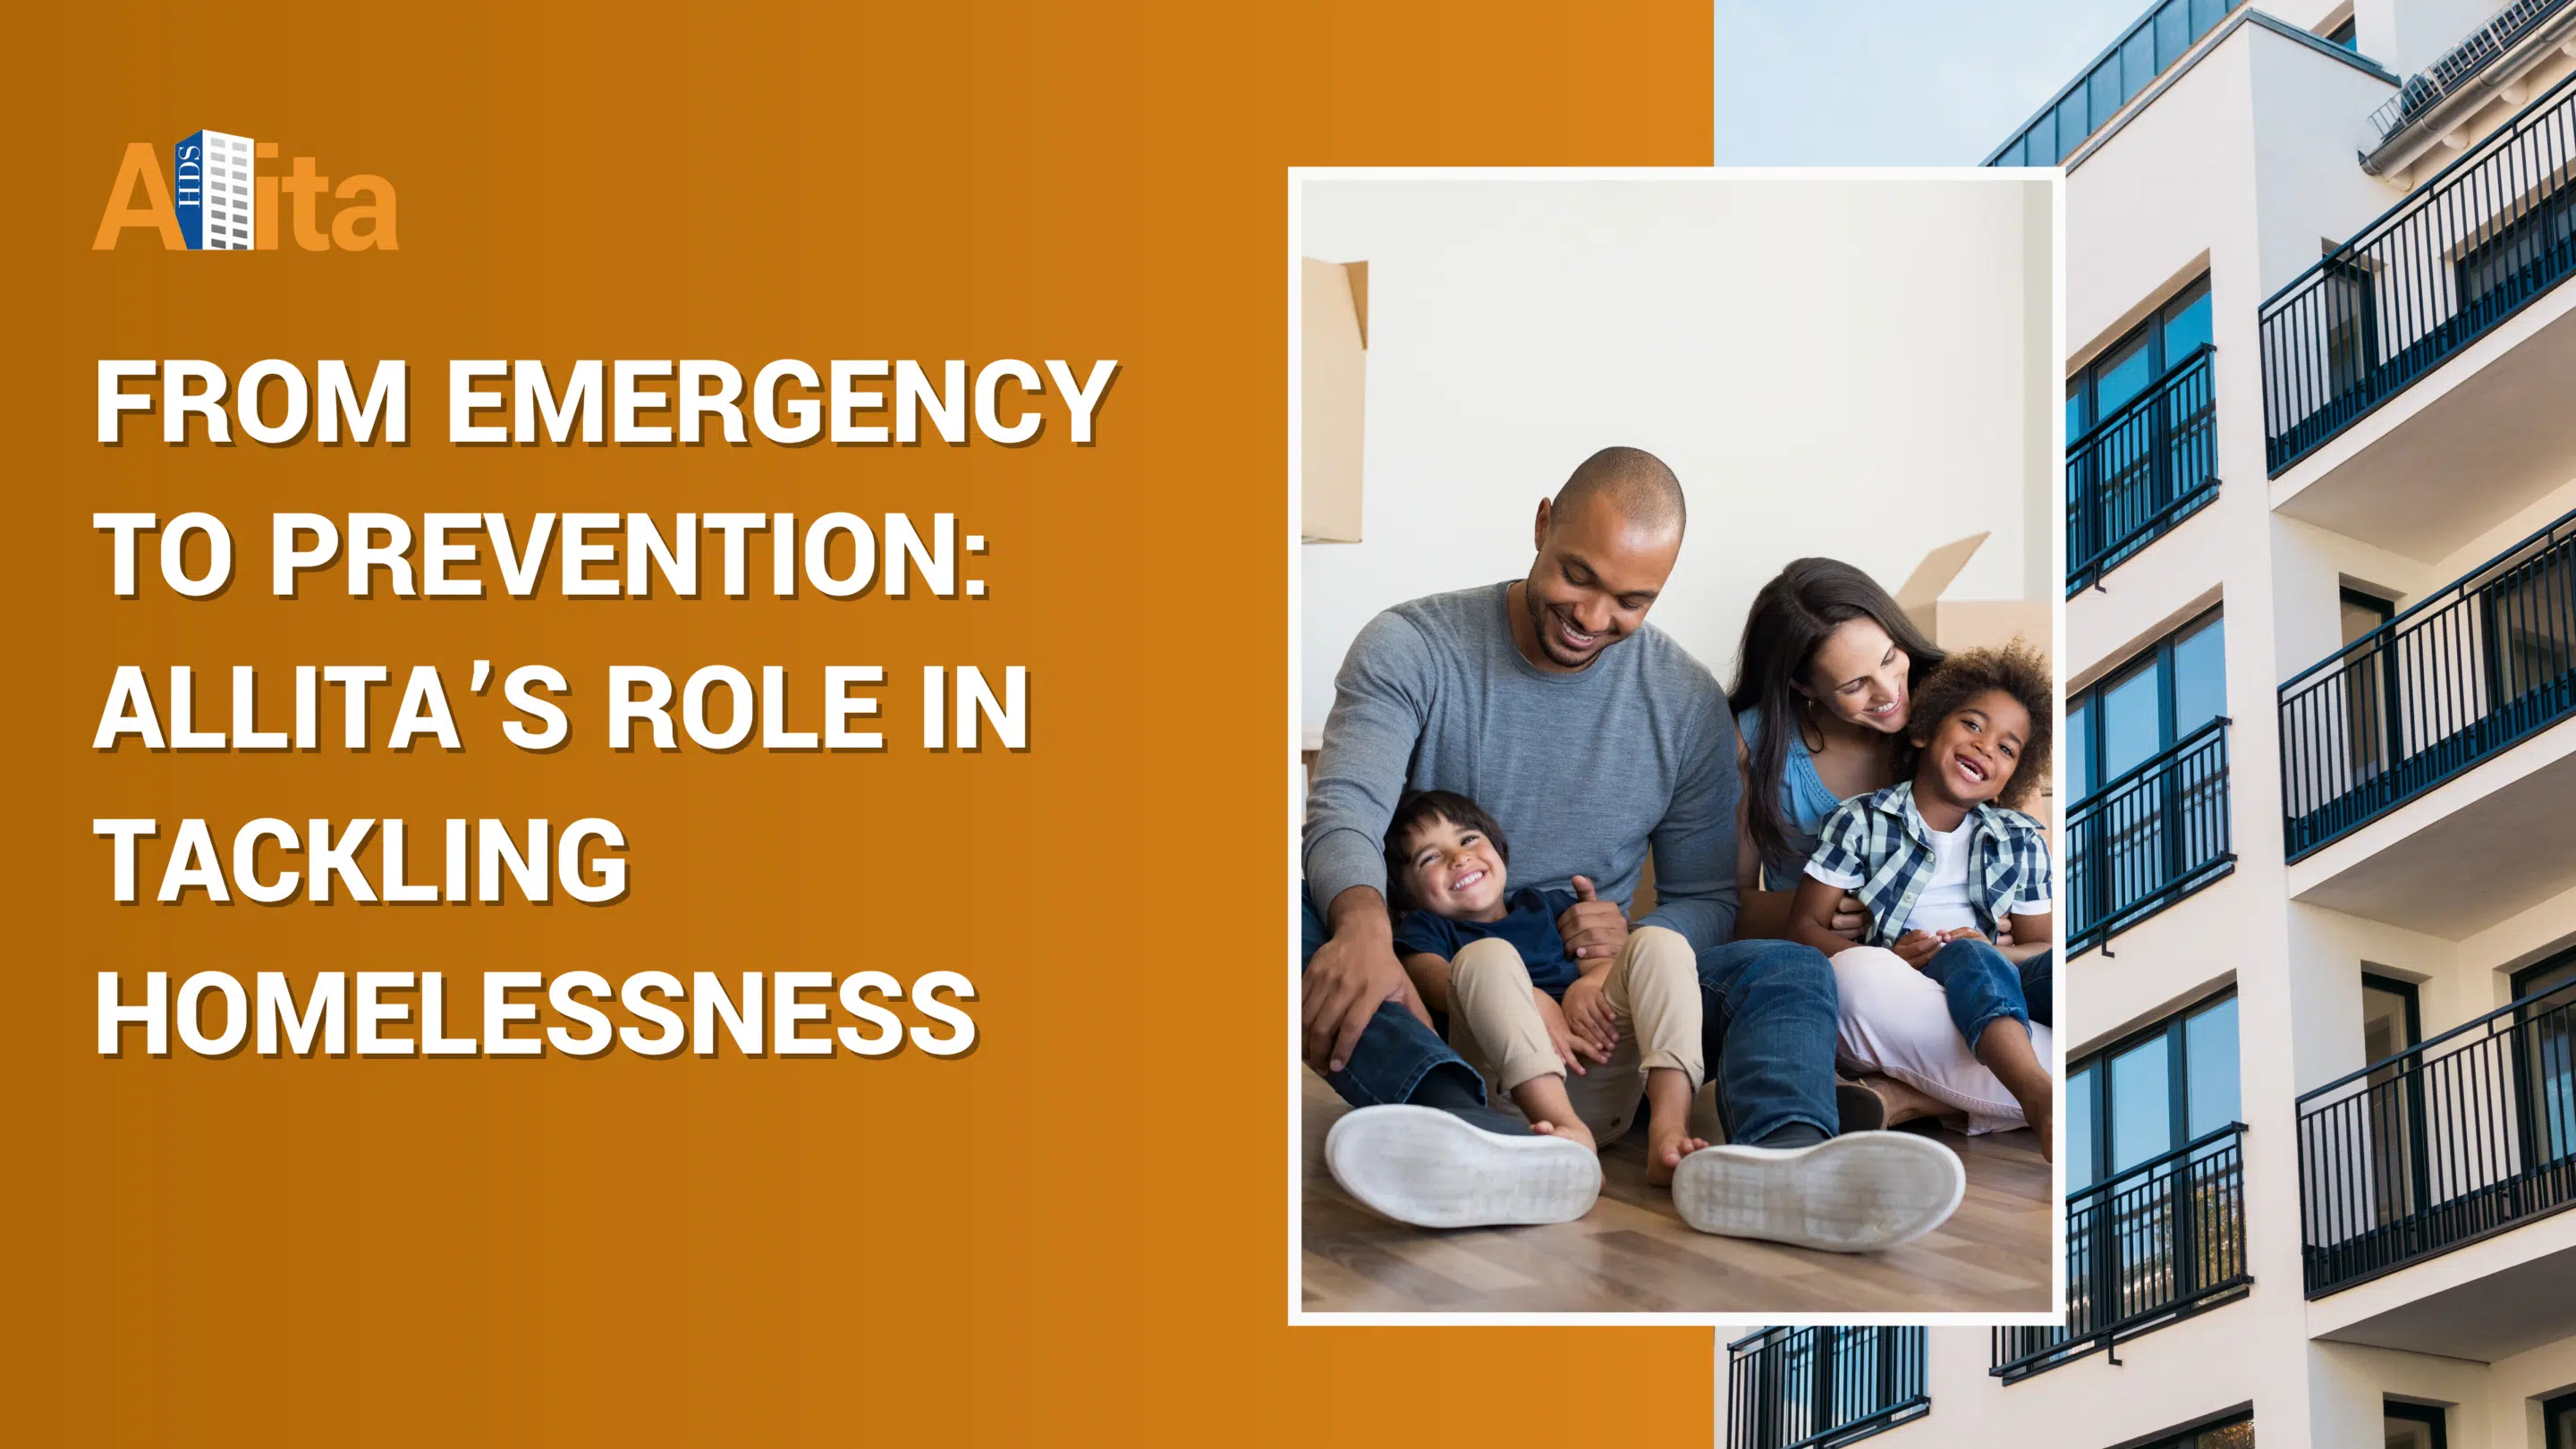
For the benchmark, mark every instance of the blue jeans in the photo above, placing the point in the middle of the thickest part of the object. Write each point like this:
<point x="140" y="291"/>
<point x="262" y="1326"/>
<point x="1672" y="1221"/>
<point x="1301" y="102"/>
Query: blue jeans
<point x="1983" y="984"/>
<point x="1396" y="1052"/>
<point x="2039" y="987"/>
<point x="1768" y="1030"/>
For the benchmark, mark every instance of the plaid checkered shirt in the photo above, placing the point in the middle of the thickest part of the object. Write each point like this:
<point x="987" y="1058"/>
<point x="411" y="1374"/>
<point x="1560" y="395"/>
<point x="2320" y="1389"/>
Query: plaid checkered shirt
<point x="1878" y="848"/>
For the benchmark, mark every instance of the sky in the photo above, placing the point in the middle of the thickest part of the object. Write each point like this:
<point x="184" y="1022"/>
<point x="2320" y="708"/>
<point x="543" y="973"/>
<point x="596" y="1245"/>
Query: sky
<point x="1895" y="82"/>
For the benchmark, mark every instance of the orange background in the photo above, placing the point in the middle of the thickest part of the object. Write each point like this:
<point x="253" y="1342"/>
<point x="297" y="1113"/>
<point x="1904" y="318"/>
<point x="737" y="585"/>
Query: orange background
<point x="1078" y="1232"/>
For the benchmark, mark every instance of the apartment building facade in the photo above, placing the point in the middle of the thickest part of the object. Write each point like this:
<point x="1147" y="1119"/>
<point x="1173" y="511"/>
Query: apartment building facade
<point x="2320" y="856"/>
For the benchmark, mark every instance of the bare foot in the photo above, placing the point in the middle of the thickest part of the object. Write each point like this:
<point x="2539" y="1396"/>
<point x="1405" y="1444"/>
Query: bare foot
<point x="2045" y="1124"/>
<point x="1665" y="1149"/>
<point x="1572" y="1130"/>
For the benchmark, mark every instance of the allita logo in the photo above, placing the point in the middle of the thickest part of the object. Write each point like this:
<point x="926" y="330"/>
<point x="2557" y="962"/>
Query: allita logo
<point x="215" y="198"/>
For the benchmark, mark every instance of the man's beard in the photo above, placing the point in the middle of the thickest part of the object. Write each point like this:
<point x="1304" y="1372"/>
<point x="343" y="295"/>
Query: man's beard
<point x="1543" y="624"/>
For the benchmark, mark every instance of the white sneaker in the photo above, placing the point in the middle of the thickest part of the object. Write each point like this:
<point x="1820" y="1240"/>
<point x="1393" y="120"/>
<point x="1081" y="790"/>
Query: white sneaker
<point x="1422" y="1166"/>
<point x="1846" y="1194"/>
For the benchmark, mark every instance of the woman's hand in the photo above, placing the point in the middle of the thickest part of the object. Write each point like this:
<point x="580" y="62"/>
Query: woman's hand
<point x="1559" y="1036"/>
<point x="1587" y="1012"/>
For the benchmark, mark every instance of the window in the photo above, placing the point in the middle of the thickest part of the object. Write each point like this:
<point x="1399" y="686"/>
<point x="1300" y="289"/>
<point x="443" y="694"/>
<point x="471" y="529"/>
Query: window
<point x="2140" y="438"/>
<point x="2545" y="1072"/>
<point x="2135" y="60"/>
<point x="2369" y="684"/>
<point x="2127" y="367"/>
<point x="2558" y="1422"/>
<point x="2413" y="1426"/>
<point x="2147" y="707"/>
<point x="2501" y="273"/>
<point x="2350" y="309"/>
<point x="2392" y="1020"/>
<point x="2151" y="1094"/>
<point x="2348" y="36"/>
<point x="2147" y="765"/>
<point x="2529" y="611"/>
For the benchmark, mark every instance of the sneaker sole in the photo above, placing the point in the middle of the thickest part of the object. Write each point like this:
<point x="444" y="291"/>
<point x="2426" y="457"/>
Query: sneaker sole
<point x="1420" y="1165"/>
<point x="1847" y="1194"/>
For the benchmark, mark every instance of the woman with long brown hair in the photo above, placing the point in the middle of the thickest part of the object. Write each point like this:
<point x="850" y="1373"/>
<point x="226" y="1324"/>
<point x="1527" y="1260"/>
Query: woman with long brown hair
<point x="1824" y="689"/>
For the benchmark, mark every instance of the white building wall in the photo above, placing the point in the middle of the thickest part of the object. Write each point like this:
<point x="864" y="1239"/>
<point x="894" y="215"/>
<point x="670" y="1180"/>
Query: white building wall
<point x="2244" y="167"/>
<point x="1836" y="368"/>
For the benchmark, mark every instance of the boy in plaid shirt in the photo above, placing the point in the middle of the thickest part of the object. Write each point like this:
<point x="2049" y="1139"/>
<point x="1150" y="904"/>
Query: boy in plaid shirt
<point x="1942" y="860"/>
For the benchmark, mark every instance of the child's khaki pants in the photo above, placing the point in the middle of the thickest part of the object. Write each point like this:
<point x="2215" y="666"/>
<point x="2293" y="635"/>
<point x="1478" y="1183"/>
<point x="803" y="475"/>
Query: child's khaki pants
<point x="1653" y="992"/>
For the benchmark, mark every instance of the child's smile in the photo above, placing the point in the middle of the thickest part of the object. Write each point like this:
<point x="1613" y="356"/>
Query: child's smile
<point x="1454" y="871"/>
<point x="1978" y="746"/>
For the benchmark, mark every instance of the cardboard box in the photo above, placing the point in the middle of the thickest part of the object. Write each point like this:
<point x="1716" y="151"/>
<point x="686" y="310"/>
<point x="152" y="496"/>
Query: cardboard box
<point x="1332" y="388"/>
<point x="1970" y="623"/>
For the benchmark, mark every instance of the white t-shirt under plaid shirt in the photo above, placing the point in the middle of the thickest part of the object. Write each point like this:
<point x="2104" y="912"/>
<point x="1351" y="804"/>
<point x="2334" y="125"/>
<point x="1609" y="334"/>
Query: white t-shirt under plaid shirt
<point x="1878" y="848"/>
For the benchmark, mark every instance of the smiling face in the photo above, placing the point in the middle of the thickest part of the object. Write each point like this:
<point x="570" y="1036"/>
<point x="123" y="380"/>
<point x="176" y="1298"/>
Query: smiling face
<point x="1859" y="676"/>
<point x="1598" y="572"/>
<point x="1454" y="870"/>
<point x="1973" y="751"/>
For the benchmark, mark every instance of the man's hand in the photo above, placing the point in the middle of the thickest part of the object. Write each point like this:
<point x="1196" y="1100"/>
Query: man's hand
<point x="1350" y="975"/>
<point x="1593" y="929"/>
<point x="1851" y="918"/>
<point x="1562" y="1037"/>
<point x="1587" y="1014"/>
<point x="1917" y="948"/>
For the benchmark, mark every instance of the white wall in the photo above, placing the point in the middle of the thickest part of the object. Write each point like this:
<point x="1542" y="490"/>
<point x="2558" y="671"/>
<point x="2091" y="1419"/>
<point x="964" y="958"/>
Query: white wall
<point x="1832" y="367"/>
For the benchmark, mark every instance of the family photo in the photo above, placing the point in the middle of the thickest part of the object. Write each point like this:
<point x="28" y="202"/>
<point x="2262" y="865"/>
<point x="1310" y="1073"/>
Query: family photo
<point x="1675" y="905"/>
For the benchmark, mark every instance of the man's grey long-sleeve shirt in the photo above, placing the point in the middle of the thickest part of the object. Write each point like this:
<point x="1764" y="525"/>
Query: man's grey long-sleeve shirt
<point x="1581" y="770"/>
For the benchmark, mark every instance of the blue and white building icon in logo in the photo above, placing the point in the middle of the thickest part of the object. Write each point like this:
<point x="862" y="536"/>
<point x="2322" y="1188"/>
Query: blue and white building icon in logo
<point x="210" y="186"/>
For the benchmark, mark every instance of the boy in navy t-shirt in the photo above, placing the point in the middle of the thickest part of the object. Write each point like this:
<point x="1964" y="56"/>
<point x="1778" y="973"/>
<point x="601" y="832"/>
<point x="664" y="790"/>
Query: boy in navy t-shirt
<point x="1575" y="1043"/>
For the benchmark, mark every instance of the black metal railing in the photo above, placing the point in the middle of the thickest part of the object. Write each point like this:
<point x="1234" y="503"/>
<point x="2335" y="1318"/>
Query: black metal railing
<point x="2447" y="1142"/>
<point x="2148" y="838"/>
<point x="2462" y="62"/>
<point x="2140" y="471"/>
<point x="1814" y="1388"/>
<point x="2471" y="671"/>
<point x="2144" y="51"/>
<point x="2157" y="1242"/>
<point x="2463" y="252"/>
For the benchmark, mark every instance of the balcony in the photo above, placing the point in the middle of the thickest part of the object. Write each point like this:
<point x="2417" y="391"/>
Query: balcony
<point x="2152" y="1245"/>
<point x="2148" y="838"/>
<point x="2140" y="471"/>
<point x="2465" y="254"/>
<point x="1813" y="1388"/>
<point x="2467" y="1135"/>
<point x="2451" y="683"/>
<point x="2144" y="51"/>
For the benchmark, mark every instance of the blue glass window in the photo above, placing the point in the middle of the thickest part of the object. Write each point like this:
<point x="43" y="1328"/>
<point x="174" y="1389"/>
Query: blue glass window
<point x="2209" y="1049"/>
<point x="2165" y="341"/>
<point x="2143" y="52"/>
<point x="2138" y="62"/>
<point x="2147" y="707"/>
<point x="2186" y="322"/>
<point x="2107" y="95"/>
<point x="2072" y="127"/>
<point x="2142" y="1103"/>
<point x="2150" y="1093"/>
<point x="2173" y="32"/>
<point x="2081" y="1100"/>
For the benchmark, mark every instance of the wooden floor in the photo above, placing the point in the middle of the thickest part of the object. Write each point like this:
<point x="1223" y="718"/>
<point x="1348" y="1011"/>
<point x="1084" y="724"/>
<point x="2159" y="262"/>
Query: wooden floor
<point x="1633" y="1254"/>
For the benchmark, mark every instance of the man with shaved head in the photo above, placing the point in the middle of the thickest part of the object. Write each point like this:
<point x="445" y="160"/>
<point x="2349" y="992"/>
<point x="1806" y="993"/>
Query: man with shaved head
<point x="1589" y="738"/>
